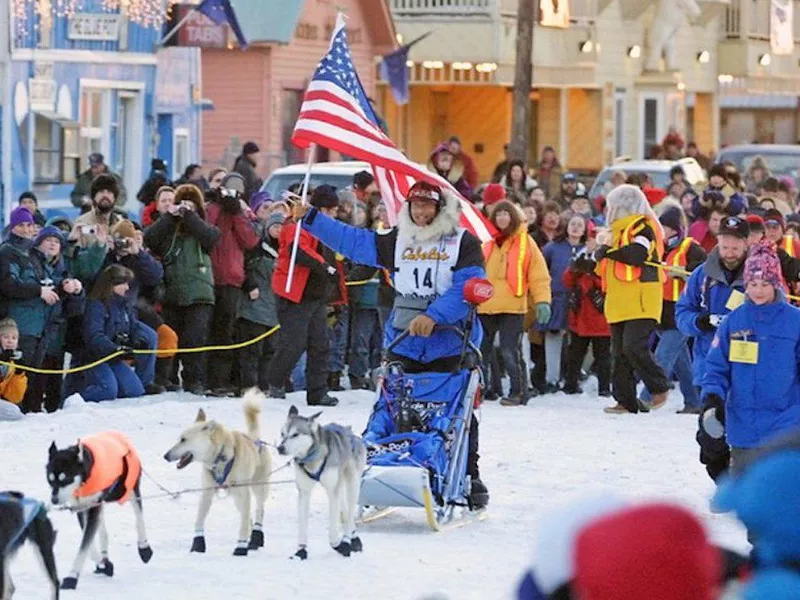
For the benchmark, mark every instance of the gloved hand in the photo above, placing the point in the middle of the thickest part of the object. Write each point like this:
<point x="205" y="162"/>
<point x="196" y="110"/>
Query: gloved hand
<point x="127" y="353"/>
<point x="230" y="204"/>
<point x="703" y="323"/>
<point x="422" y="325"/>
<point x="543" y="313"/>
<point x="299" y="211"/>
<point x="717" y="404"/>
<point x="10" y="355"/>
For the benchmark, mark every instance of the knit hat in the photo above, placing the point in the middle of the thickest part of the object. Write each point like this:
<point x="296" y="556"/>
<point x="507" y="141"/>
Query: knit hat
<point x="492" y="193"/>
<point x="654" y="195"/>
<point x="7" y="326"/>
<point x="105" y="182"/>
<point x="763" y="264"/>
<point x="325" y="196"/>
<point x="671" y="218"/>
<point x="250" y="148"/>
<point x="47" y="232"/>
<point x="96" y="159"/>
<point x="234" y="181"/>
<point x="276" y="218"/>
<point x="423" y="190"/>
<point x="655" y="551"/>
<point x="28" y="195"/>
<point x="124" y="229"/>
<point x="20" y="216"/>
<point x="555" y="543"/>
<point x="755" y="222"/>
<point x="735" y="226"/>
<point x="258" y="199"/>
<point x="775" y="216"/>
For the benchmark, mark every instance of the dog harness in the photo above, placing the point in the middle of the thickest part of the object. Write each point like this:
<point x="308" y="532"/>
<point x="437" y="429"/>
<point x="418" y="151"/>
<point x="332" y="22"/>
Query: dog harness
<point x="30" y="510"/>
<point x="114" y="462"/>
<point x="309" y="458"/>
<point x="221" y="475"/>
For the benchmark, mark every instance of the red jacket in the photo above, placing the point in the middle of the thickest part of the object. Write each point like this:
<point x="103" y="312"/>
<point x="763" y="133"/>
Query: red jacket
<point x="238" y="236"/>
<point x="587" y="321"/>
<point x="148" y="214"/>
<point x="310" y="245"/>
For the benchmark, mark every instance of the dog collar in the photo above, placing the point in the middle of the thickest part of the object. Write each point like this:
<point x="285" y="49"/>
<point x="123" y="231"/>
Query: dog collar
<point x="310" y="457"/>
<point x="220" y="477"/>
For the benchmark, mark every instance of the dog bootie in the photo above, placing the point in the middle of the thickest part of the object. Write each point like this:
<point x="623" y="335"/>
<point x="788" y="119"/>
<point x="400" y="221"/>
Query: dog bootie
<point x="69" y="583"/>
<point x="256" y="539"/>
<point x="343" y="548"/>
<point x="145" y="553"/>
<point x="301" y="554"/>
<point x="198" y="544"/>
<point x="106" y="567"/>
<point x="479" y="494"/>
<point x="241" y="548"/>
<point x="356" y="545"/>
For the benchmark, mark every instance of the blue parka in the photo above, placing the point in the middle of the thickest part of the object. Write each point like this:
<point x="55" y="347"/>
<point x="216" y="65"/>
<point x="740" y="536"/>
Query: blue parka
<point x="707" y="292"/>
<point x="105" y="322"/>
<point x="763" y="399"/>
<point x="366" y="247"/>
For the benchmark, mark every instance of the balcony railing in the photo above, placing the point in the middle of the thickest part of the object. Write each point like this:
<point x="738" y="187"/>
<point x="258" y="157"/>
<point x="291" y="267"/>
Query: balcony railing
<point x="450" y="8"/>
<point x="751" y="19"/>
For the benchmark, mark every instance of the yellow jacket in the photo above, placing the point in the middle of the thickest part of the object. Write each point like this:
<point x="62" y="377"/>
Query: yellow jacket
<point x="629" y="300"/>
<point x="536" y="279"/>
<point x="13" y="385"/>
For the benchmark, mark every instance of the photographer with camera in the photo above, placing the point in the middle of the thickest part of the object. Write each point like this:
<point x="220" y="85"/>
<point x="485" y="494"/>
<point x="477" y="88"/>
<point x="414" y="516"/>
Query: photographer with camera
<point x="110" y="325"/>
<point x="183" y="240"/>
<point x="26" y="293"/>
<point x="238" y="236"/>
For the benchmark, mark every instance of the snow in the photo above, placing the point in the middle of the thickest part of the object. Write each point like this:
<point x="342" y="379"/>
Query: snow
<point x="534" y="458"/>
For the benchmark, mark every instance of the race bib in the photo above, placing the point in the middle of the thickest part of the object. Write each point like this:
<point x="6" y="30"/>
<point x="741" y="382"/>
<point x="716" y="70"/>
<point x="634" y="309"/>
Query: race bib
<point x="735" y="300"/>
<point x="743" y="352"/>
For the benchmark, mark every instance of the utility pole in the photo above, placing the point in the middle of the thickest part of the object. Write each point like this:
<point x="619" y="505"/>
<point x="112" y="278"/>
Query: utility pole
<point x="523" y="76"/>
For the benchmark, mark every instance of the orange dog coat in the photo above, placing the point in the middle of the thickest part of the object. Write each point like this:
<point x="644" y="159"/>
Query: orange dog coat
<point x="113" y="456"/>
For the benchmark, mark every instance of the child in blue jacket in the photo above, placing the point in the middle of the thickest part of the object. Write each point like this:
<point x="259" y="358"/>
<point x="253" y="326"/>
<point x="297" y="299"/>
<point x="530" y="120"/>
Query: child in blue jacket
<point x="752" y="378"/>
<point x="110" y="325"/>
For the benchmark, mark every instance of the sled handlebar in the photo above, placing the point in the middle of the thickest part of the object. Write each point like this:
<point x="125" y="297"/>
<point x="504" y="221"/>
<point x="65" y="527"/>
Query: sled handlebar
<point x="457" y="330"/>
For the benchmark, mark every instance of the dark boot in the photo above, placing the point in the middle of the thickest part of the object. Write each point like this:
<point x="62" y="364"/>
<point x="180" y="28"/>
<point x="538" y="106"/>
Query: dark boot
<point x="163" y="371"/>
<point x="479" y="495"/>
<point x="360" y="383"/>
<point x="326" y="400"/>
<point x="333" y="381"/>
<point x="152" y="389"/>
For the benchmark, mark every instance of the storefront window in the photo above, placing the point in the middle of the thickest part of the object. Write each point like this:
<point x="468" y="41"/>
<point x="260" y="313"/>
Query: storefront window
<point x="181" y="149"/>
<point x="94" y="122"/>
<point x="55" y="149"/>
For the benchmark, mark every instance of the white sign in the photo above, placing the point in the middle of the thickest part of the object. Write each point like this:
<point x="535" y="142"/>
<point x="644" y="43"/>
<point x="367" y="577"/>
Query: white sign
<point x="94" y="26"/>
<point x="42" y="70"/>
<point x="42" y="94"/>
<point x="781" y="25"/>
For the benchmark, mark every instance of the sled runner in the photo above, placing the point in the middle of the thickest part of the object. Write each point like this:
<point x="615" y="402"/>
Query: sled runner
<point x="417" y="438"/>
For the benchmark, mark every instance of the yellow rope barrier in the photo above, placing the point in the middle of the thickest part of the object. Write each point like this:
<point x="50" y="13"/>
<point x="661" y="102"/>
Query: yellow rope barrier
<point x="155" y="351"/>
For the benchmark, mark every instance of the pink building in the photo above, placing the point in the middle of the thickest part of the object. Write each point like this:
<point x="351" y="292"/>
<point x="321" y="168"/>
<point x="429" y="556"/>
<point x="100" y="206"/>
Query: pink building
<point x="257" y="93"/>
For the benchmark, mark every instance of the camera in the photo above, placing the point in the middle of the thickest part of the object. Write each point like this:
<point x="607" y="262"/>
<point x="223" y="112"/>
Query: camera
<point x="121" y="243"/>
<point x="89" y="229"/>
<point x="122" y="339"/>
<point x="183" y="208"/>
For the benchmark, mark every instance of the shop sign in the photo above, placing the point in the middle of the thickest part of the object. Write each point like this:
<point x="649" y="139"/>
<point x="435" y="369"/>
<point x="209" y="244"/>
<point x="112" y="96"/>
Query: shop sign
<point x="98" y="27"/>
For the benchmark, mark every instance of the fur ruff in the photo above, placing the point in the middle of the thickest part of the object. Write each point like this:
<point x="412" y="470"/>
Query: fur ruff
<point x="445" y="223"/>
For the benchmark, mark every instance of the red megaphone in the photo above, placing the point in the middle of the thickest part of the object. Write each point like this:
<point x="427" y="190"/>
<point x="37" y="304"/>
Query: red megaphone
<point x="477" y="290"/>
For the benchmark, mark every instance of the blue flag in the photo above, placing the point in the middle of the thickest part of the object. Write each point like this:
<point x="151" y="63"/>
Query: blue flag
<point x="394" y="70"/>
<point x="221" y="11"/>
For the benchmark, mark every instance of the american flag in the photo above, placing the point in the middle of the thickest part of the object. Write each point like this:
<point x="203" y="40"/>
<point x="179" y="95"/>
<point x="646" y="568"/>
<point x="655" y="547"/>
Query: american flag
<point x="336" y="114"/>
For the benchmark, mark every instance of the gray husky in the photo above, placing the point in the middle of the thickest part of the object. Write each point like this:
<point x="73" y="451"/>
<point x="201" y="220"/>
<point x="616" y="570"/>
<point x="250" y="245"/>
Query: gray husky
<point x="334" y="457"/>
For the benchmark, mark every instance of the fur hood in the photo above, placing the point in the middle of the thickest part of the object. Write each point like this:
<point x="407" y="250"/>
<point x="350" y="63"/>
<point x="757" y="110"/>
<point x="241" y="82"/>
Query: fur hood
<point x="443" y="224"/>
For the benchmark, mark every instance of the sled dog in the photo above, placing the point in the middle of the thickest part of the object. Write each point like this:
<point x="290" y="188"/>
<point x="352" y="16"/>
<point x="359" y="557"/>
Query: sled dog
<point x="100" y="468"/>
<point x="23" y="519"/>
<point x="334" y="457"/>
<point x="241" y="462"/>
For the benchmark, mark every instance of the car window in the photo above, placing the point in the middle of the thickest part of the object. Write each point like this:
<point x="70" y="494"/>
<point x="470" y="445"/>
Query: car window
<point x="779" y="164"/>
<point x="278" y="183"/>
<point x="602" y="185"/>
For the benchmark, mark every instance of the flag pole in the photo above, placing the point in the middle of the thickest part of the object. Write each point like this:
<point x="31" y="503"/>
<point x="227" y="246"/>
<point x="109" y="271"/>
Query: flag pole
<point x="175" y="29"/>
<point x="303" y="200"/>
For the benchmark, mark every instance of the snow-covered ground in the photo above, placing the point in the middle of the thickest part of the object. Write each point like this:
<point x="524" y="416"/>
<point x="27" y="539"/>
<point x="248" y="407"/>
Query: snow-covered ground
<point x="533" y="459"/>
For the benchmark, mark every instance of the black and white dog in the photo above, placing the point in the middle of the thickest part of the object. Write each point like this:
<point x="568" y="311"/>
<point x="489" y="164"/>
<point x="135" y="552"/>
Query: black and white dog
<point x="24" y="519"/>
<point x="101" y="468"/>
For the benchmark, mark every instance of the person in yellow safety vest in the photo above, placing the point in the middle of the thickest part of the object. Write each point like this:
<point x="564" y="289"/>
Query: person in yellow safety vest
<point x="634" y="295"/>
<point x="682" y="255"/>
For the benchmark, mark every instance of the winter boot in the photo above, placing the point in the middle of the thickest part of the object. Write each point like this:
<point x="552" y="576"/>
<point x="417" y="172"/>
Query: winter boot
<point x="333" y="381"/>
<point x="515" y="400"/>
<point x="326" y="400"/>
<point x="360" y="383"/>
<point x="152" y="389"/>
<point x="276" y="392"/>
<point x="479" y="495"/>
<point x="163" y="370"/>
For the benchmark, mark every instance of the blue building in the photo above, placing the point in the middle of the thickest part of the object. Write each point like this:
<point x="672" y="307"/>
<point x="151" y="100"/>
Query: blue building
<point x="84" y="83"/>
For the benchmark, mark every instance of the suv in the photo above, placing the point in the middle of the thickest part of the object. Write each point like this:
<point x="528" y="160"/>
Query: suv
<point x="781" y="159"/>
<point x="657" y="170"/>
<point x="336" y="174"/>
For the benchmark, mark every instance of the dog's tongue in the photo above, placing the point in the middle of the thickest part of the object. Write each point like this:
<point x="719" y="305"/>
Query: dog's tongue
<point x="185" y="460"/>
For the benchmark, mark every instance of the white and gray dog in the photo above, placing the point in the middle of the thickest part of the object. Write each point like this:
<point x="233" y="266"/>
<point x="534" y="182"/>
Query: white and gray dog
<point x="333" y="456"/>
